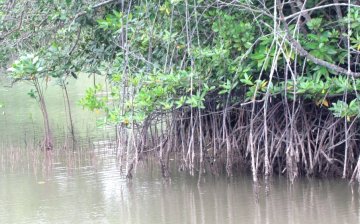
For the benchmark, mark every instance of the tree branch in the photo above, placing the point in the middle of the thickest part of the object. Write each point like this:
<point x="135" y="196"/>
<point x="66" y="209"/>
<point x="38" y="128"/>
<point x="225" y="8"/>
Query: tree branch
<point x="318" y="7"/>
<point x="306" y="54"/>
<point x="76" y="42"/>
<point x="14" y="30"/>
<point x="302" y="8"/>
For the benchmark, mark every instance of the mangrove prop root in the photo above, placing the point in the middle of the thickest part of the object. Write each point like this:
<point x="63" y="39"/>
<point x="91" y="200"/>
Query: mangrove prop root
<point x="309" y="142"/>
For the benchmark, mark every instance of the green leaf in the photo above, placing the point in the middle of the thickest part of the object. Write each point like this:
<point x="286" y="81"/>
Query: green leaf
<point x="258" y="56"/>
<point x="247" y="82"/>
<point x="314" y="24"/>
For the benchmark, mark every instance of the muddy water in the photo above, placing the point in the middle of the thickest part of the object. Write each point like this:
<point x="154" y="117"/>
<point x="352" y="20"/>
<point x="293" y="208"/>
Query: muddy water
<point x="87" y="186"/>
<point x="96" y="192"/>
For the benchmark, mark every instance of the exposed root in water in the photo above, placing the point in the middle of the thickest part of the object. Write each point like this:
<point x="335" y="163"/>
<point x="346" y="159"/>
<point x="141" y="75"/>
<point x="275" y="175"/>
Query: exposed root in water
<point x="308" y="141"/>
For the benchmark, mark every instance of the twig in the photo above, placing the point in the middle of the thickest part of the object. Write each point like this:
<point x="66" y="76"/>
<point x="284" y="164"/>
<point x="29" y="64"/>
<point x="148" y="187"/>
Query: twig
<point x="76" y="42"/>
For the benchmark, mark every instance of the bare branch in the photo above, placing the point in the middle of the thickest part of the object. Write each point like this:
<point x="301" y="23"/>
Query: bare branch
<point x="318" y="7"/>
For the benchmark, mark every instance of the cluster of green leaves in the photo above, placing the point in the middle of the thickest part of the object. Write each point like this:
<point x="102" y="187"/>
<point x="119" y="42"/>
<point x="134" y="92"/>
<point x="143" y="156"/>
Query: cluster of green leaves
<point x="234" y="33"/>
<point x="27" y="67"/>
<point x="52" y="62"/>
<point x="155" y="93"/>
<point x="92" y="101"/>
<point x="342" y="109"/>
<point x="229" y="53"/>
<point x="321" y="92"/>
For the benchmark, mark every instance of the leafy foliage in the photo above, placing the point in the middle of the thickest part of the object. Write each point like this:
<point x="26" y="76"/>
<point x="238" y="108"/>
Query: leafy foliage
<point x="172" y="55"/>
